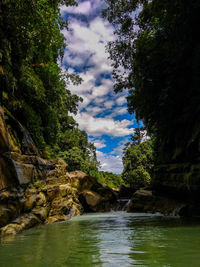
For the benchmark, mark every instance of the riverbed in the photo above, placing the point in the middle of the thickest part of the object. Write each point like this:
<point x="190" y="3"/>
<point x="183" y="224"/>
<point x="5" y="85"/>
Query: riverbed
<point x="106" y="239"/>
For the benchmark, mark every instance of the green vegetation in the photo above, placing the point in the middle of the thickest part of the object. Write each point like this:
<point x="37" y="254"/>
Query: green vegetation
<point x="110" y="179"/>
<point x="158" y="47"/>
<point x="138" y="161"/>
<point x="33" y="85"/>
<point x="161" y="58"/>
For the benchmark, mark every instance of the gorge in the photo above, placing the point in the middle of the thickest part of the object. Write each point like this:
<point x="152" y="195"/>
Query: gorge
<point x="127" y="160"/>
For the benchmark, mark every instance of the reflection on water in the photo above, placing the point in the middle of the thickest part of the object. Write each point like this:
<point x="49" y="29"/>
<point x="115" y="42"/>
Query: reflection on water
<point x="111" y="239"/>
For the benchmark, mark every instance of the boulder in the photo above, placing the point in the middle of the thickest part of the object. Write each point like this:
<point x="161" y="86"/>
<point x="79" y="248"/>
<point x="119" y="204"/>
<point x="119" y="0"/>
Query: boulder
<point x="81" y="180"/>
<point x="41" y="199"/>
<point x="101" y="201"/>
<point x="51" y="192"/>
<point x="7" y="196"/>
<point x="56" y="218"/>
<point x="11" y="229"/>
<point x="24" y="222"/>
<point x="28" y="220"/>
<point x="92" y="198"/>
<point x="106" y="193"/>
<point x="66" y="190"/>
<point x="41" y="212"/>
<point x="61" y="206"/>
<point x="30" y="202"/>
<point x="147" y="201"/>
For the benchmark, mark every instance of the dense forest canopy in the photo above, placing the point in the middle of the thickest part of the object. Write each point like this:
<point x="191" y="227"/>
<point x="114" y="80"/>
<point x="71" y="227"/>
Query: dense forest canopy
<point x="156" y="56"/>
<point x="33" y="84"/>
<point x="138" y="160"/>
<point x="158" y="47"/>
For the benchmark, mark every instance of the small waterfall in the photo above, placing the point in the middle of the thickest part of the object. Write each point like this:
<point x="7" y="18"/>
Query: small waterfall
<point x="122" y="204"/>
<point x="125" y="208"/>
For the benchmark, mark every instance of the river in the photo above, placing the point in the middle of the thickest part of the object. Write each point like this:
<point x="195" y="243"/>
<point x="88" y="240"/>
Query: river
<point x="106" y="239"/>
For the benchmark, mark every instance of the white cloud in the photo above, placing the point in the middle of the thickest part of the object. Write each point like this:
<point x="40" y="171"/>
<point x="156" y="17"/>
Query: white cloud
<point x="109" y="162"/>
<point x="86" y="47"/>
<point x="88" y="42"/>
<point x="109" y="104"/>
<point x="119" y="111"/>
<point x="82" y="8"/>
<point x="99" y="100"/>
<point x="100" y="90"/>
<point x="86" y="52"/>
<point x="86" y="86"/>
<point x="121" y="100"/>
<point x="94" y="110"/>
<point x="119" y="149"/>
<point x="99" y="143"/>
<point x="98" y="126"/>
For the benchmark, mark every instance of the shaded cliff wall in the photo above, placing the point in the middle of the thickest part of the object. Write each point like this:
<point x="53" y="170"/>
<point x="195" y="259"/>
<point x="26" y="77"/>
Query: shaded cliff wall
<point x="20" y="161"/>
<point x="181" y="180"/>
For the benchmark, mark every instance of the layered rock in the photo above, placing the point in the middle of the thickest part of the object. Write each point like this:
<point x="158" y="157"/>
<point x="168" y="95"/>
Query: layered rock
<point x="34" y="190"/>
<point x="98" y="200"/>
<point x="57" y="198"/>
<point x="150" y="202"/>
<point x="176" y="189"/>
<point x="180" y="179"/>
<point x="20" y="161"/>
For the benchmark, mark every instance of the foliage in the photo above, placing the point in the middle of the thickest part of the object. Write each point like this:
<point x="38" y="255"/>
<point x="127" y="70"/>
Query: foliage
<point x="33" y="85"/>
<point x="159" y="49"/>
<point x="138" y="163"/>
<point x="77" y="159"/>
<point x="110" y="179"/>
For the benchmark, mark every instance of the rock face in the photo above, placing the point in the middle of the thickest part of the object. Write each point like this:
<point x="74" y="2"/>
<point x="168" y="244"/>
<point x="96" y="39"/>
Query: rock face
<point x="178" y="179"/>
<point x="20" y="161"/>
<point x="59" y="197"/>
<point x="37" y="191"/>
<point x="98" y="200"/>
<point x="147" y="201"/>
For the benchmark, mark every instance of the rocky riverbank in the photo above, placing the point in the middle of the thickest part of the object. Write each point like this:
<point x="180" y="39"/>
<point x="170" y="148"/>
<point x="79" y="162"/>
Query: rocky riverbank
<point x="59" y="197"/>
<point x="155" y="202"/>
<point x="34" y="190"/>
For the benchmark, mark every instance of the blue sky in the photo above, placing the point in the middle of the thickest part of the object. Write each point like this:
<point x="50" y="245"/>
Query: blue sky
<point x="103" y="114"/>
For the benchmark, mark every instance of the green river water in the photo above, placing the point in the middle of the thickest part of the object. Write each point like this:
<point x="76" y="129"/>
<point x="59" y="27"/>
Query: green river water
<point x="106" y="239"/>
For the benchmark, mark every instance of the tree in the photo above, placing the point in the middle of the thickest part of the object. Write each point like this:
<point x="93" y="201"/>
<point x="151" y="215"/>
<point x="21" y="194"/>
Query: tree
<point x="138" y="136"/>
<point x="110" y="179"/>
<point x="138" y="164"/>
<point x="159" y="49"/>
<point x="33" y="86"/>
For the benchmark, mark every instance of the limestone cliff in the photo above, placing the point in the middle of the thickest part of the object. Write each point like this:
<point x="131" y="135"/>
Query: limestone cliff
<point x="20" y="161"/>
<point x="34" y="190"/>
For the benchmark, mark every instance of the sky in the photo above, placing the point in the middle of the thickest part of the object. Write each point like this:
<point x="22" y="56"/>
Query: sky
<point x="102" y="114"/>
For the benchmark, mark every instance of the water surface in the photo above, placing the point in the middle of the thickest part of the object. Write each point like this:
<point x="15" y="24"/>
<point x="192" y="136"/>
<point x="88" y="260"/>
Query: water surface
<point x="109" y="239"/>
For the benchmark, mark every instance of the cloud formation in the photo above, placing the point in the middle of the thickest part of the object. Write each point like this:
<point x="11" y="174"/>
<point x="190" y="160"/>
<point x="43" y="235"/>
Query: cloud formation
<point x="102" y="112"/>
<point x="99" y="143"/>
<point x="109" y="162"/>
<point x="99" y="126"/>
<point x="82" y="8"/>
